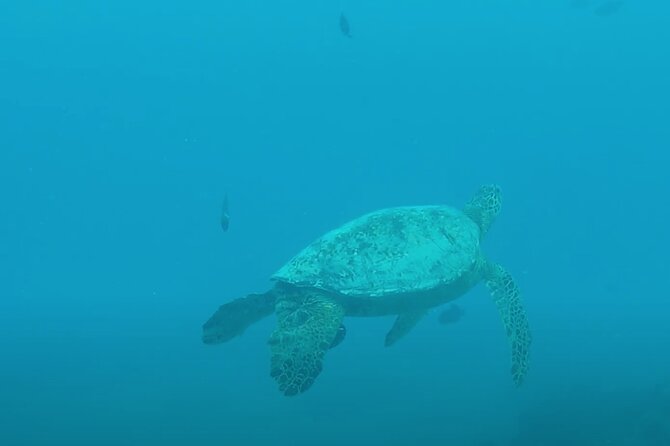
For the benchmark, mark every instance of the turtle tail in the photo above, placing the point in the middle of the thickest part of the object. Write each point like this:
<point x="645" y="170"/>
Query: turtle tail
<point x="232" y="318"/>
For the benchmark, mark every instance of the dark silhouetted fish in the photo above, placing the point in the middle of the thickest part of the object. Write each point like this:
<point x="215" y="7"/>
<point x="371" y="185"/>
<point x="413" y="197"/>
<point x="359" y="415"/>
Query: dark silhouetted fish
<point x="225" y="217"/>
<point x="344" y="25"/>
<point x="451" y="315"/>
<point x="608" y="8"/>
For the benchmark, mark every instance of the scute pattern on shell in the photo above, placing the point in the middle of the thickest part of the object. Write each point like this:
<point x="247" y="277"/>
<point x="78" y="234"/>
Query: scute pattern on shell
<point x="390" y="251"/>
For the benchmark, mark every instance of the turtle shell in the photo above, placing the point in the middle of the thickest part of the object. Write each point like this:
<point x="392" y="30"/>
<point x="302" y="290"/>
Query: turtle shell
<point x="389" y="251"/>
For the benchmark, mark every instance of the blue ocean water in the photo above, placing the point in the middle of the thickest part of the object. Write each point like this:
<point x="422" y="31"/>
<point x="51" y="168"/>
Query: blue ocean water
<point x="123" y="125"/>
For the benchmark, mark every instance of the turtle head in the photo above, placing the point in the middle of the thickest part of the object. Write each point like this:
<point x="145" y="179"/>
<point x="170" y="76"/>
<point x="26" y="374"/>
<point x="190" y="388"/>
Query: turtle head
<point x="232" y="318"/>
<point x="221" y="327"/>
<point x="484" y="206"/>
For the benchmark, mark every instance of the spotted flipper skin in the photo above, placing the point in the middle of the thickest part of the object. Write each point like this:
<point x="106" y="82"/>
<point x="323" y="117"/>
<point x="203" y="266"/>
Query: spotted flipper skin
<point x="507" y="298"/>
<point x="307" y="324"/>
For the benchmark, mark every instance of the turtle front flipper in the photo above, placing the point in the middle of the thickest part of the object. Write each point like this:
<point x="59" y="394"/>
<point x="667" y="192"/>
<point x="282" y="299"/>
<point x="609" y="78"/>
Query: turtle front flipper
<point x="307" y="326"/>
<point x="507" y="298"/>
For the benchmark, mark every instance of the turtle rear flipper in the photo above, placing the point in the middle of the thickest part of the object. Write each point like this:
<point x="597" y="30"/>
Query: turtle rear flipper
<point x="507" y="298"/>
<point x="232" y="318"/>
<point x="307" y="324"/>
<point x="402" y="325"/>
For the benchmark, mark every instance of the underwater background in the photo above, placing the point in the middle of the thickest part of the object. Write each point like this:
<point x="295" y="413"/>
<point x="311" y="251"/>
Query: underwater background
<point x="124" y="124"/>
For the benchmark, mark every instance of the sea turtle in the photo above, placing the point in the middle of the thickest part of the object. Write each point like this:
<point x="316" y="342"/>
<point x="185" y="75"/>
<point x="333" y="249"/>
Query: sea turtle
<point x="398" y="261"/>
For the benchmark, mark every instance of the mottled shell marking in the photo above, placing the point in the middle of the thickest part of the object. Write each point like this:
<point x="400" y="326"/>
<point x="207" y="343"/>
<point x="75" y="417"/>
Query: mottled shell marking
<point x="389" y="251"/>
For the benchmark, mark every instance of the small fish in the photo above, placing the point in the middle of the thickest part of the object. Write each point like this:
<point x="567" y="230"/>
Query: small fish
<point x="451" y="315"/>
<point x="225" y="217"/>
<point x="344" y="25"/>
<point x="608" y="8"/>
